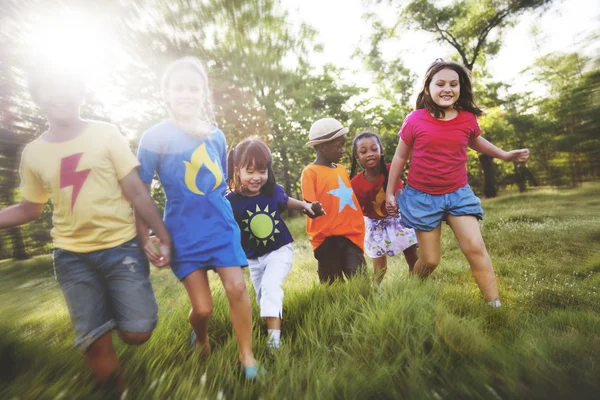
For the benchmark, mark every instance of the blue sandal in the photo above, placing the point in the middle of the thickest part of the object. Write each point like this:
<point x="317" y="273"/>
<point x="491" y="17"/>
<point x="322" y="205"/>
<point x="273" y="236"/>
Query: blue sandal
<point x="193" y="341"/>
<point x="253" y="372"/>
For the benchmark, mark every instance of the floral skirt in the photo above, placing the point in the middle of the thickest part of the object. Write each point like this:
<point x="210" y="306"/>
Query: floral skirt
<point x="387" y="236"/>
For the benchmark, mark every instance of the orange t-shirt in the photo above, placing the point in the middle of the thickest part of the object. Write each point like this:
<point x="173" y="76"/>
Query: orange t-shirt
<point x="331" y="187"/>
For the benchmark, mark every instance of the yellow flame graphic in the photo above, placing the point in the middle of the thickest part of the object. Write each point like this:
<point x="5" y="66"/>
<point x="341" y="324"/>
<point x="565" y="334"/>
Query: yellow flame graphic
<point x="200" y="157"/>
<point x="378" y="203"/>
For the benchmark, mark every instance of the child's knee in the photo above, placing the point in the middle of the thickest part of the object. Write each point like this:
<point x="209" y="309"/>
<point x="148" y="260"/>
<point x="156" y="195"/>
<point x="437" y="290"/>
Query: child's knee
<point x="475" y="248"/>
<point x="101" y="348"/>
<point x="202" y="312"/>
<point x="236" y="290"/>
<point x="135" y="338"/>
<point x="429" y="261"/>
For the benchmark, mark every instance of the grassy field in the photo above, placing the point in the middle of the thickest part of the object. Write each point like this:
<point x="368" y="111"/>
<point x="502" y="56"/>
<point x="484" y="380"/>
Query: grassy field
<point x="408" y="339"/>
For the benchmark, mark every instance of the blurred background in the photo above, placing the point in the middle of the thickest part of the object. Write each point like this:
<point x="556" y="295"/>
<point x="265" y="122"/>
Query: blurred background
<point x="277" y="66"/>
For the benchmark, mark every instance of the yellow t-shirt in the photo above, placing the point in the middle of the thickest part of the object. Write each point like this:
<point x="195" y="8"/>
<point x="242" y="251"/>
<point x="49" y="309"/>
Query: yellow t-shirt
<point x="82" y="176"/>
<point x="331" y="187"/>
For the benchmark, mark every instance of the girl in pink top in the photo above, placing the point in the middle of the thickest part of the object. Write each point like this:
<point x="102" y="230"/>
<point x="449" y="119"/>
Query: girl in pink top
<point x="438" y="133"/>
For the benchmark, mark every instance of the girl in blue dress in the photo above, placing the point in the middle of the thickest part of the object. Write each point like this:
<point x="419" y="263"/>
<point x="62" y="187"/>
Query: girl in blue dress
<point x="188" y="153"/>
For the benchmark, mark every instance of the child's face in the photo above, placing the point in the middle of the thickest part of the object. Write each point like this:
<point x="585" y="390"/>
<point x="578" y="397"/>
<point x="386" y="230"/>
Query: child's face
<point x="60" y="99"/>
<point x="253" y="180"/>
<point x="368" y="152"/>
<point x="444" y="88"/>
<point x="332" y="151"/>
<point x="185" y="93"/>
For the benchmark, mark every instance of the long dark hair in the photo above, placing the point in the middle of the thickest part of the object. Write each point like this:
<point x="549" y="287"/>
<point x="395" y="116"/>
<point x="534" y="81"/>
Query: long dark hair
<point x="382" y="166"/>
<point x="250" y="153"/>
<point x="465" y="99"/>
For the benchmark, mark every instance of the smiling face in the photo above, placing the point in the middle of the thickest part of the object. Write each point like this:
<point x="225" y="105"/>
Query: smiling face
<point x="185" y="93"/>
<point x="444" y="88"/>
<point x="368" y="152"/>
<point x="252" y="180"/>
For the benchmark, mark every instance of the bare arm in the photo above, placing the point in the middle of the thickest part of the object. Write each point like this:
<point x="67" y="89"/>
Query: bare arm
<point x="485" y="147"/>
<point x="141" y="227"/>
<point x="313" y="210"/>
<point x="398" y="163"/>
<point x="147" y="215"/>
<point x="20" y="214"/>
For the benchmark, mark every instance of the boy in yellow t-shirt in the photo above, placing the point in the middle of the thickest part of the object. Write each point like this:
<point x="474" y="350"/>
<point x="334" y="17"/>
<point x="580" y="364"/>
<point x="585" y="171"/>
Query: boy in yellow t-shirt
<point x="89" y="172"/>
<point x="337" y="237"/>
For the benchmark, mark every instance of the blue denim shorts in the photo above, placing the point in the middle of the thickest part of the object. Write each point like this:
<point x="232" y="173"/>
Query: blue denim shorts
<point x="425" y="212"/>
<point x="106" y="289"/>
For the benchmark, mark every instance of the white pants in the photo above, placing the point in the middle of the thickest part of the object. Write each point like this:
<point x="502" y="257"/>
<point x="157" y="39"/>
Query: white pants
<point x="268" y="273"/>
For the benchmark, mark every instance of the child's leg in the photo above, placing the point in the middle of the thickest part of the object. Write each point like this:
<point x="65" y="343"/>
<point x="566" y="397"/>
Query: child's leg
<point x="411" y="256"/>
<point x="90" y="314"/>
<point x="198" y="290"/>
<point x="240" y="311"/>
<point x="379" y="268"/>
<point x="329" y="260"/>
<point x="104" y="363"/>
<point x="278" y="265"/>
<point x="429" y="251"/>
<point x="353" y="259"/>
<point x="126" y="274"/>
<point x="467" y="232"/>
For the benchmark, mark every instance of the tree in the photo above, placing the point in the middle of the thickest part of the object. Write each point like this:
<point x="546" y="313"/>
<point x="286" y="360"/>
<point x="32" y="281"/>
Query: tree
<point x="467" y="26"/>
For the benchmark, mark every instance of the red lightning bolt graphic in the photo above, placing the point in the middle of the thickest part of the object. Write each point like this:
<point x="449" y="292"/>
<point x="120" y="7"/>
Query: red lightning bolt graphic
<point x="70" y="177"/>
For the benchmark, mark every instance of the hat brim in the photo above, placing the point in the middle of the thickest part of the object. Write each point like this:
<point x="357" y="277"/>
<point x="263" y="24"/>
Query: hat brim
<point x="342" y="132"/>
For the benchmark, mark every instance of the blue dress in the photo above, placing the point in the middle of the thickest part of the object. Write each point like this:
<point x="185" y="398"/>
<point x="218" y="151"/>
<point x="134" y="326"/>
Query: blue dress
<point x="193" y="174"/>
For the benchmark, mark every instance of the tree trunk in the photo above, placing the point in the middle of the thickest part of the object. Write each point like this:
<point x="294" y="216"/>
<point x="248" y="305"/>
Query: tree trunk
<point x="489" y="176"/>
<point x="18" y="246"/>
<point x="520" y="177"/>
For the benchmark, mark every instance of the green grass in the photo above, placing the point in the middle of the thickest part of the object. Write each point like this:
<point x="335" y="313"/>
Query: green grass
<point x="410" y="339"/>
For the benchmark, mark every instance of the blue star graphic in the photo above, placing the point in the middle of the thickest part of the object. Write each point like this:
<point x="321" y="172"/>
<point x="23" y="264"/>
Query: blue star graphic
<point x="344" y="193"/>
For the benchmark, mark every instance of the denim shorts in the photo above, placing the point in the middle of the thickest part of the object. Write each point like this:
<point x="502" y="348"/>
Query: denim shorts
<point x="425" y="212"/>
<point x="106" y="289"/>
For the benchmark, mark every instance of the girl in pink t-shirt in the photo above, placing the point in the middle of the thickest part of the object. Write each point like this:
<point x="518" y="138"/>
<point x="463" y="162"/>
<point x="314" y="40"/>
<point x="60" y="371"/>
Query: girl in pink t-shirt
<point x="438" y="133"/>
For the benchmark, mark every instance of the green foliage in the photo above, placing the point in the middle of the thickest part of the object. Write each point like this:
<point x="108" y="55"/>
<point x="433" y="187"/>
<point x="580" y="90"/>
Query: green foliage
<point x="467" y="24"/>
<point x="407" y="339"/>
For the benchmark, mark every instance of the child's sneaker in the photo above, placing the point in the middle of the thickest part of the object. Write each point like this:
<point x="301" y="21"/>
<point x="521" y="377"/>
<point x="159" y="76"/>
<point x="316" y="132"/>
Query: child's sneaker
<point x="494" y="303"/>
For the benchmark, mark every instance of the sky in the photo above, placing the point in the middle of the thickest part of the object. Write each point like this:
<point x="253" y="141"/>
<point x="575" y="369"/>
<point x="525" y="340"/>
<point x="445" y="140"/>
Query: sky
<point x="564" y="27"/>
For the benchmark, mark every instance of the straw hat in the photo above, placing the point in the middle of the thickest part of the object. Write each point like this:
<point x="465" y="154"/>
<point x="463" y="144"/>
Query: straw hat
<point x="325" y="130"/>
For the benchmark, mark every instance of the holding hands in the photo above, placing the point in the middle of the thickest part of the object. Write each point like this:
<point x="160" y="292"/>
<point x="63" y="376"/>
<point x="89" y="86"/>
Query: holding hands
<point x="391" y="205"/>
<point x="158" y="253"/>
<point x="313" y="210"/>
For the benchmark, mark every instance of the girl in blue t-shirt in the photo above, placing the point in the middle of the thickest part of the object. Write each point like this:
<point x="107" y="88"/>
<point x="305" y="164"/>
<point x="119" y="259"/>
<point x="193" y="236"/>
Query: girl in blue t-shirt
<point x="257" y="201"/>
<point x="188" y="153"/>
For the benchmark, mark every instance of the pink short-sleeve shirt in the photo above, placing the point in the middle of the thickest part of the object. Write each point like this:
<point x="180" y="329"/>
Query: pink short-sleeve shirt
<point x="439" y="150"/>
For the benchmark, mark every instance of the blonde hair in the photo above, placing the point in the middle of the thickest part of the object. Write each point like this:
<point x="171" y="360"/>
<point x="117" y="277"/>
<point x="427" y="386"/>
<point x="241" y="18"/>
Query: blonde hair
<point x="194" y="64"/>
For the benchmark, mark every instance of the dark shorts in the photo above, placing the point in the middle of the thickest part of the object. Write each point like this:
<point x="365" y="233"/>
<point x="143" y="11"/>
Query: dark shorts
<point x="338" y="257"/>
<point x="425" y="212"/>
<point x="106" y="289"/>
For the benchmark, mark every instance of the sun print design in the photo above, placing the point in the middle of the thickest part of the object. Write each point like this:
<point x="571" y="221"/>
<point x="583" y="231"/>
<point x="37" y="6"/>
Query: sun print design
<point x="261" y="225"/>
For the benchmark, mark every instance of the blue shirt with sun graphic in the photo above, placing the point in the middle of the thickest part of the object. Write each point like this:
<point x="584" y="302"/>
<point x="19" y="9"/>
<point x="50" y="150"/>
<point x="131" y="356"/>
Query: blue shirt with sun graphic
<point x="263" y="229"/>
<point x="192" y="171"/>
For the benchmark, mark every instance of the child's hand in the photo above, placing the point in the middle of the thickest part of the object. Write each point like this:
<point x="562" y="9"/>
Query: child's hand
<point x="391" y="206"/>
<point x="314" y="210"/>
<point x="520" y="155"/>
<point x="158" y="254"/>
